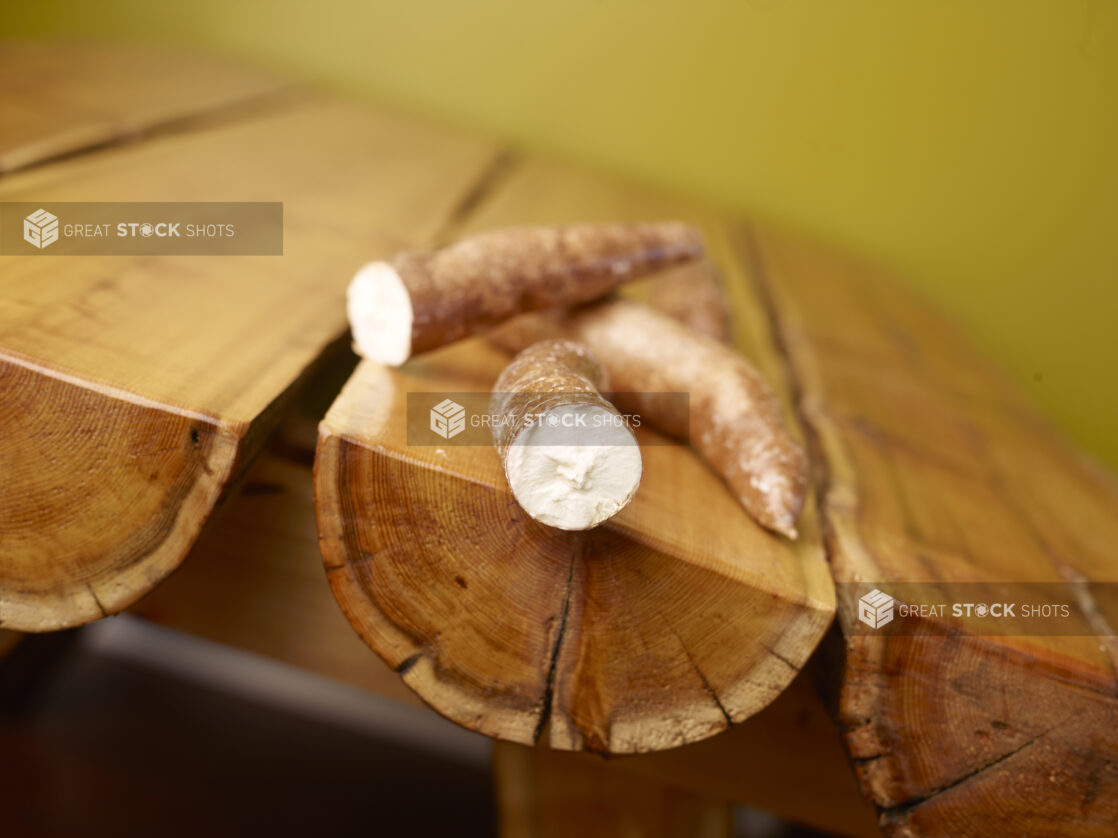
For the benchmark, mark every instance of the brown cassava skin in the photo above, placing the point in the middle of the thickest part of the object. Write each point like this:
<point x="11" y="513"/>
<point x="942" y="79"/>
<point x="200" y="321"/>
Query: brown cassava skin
<point x="692" y="294"/>
<point x="546" y="375"/>
<point x="733" y="420"/>
<point x="476" y="283"/>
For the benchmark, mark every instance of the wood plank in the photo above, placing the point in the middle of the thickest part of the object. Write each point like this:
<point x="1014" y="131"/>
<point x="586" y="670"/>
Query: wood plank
<point x="138" y="387"/>
<point x="933" y="469"/>
<point x="674" y="620"/>
<point x="59" y="99"/>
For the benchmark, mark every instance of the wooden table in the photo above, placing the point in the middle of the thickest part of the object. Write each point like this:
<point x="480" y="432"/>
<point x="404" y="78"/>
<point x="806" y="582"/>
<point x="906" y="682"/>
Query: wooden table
<point x="140" y="392"/>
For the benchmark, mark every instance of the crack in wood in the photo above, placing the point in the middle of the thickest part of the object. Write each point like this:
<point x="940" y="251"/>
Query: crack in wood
<point x="96" y="599"/>
<point x="756" y="273"/>
<point x="780" y="657"/>
<point x="900" y="809"/>
<point x="201" y="120"/>
<point x="407" y="663"/>
<point x="553" y="663"/>
<point x="703" y="678"/>
<point x="500" y="167"/>
<point x="820" y="471"/>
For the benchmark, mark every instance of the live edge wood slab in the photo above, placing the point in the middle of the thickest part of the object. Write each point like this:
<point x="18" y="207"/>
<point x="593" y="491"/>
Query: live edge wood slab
<point x="137" y="388"/>
<point x="930" y="468"/>
<point x="671" y="622"/>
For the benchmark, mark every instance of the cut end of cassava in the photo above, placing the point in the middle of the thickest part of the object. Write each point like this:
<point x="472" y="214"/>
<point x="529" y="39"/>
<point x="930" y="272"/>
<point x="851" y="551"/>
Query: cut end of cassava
<point x="569" y="485"/>
<point x="380" y="314"/>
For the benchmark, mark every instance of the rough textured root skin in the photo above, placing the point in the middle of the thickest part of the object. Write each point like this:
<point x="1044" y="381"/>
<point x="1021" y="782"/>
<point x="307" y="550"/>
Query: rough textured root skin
<point x="545" y="375"/>
<point x="520" y="332"/>
<point x="576" y="484"/>
<point x="476" y="283"/>
<point x="734" y="419"/>
<point x="692" y="294"/>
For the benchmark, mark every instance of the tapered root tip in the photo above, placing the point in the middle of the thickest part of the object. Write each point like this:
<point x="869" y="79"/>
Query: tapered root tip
<point x="782" y="513"/>
<point x="380" y="314"/>
<point x="568" y="485"/>
<point x="775" y="501"/>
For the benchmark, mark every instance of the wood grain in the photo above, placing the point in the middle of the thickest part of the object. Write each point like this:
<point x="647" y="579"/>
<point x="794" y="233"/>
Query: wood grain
<point x="138" y="387"/>
<point x="931" y="468"/>
<point x="692" y="294"/>
<point x="788" y="759"/>
<point x="678" y="618"/>
<point x="59" y="99"/>
<point x="255" y="580"/>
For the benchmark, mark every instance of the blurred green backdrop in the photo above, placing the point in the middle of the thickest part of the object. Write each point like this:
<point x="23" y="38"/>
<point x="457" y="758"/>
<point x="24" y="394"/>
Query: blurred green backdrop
<point x="972" y="145"/>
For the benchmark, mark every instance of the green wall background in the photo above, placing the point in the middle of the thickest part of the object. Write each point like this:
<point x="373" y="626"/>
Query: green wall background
<point x="971" y="146"/>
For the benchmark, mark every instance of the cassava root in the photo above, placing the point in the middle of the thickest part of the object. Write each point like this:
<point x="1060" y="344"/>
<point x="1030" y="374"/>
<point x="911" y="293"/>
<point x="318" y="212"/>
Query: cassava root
<point x="420" y="301"/>
<point x="570" y="459"/>
<point x="693" y="295"/>
<point x="732" y="418"/>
